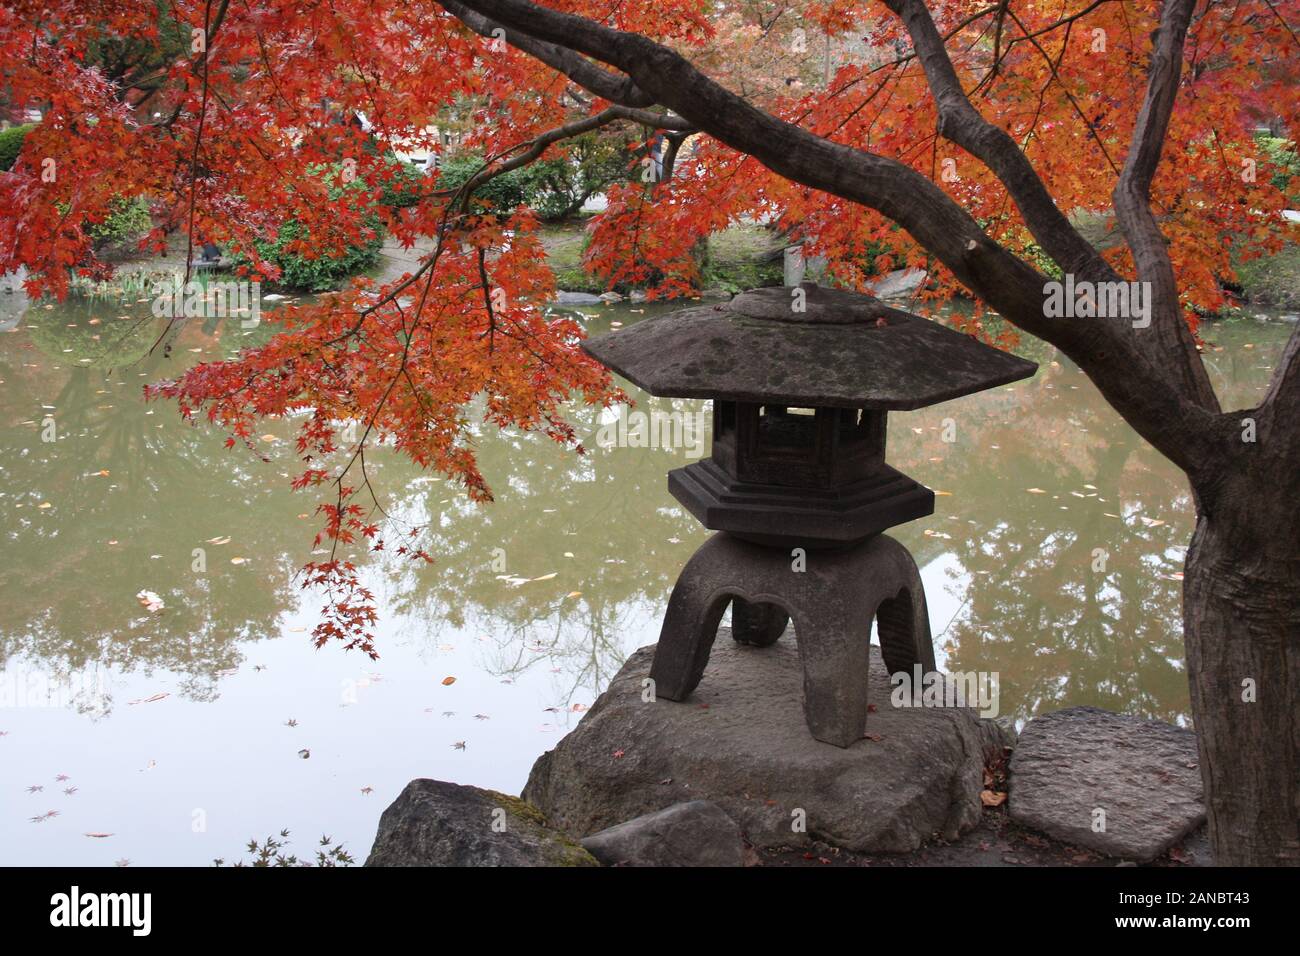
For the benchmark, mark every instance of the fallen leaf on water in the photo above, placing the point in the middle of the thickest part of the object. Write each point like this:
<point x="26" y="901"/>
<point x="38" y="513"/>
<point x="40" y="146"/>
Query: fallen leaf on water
<point x="574" y="594"/>
<point x="44" y="504"/>
<point x="448" y="681"/>
<point x="150" y="700"/>
<point x="1152" y="522"/>
<point x="224" y="540"/>
<point x="238" y="560"/>
<point x="946" y="494"/>
<point x="270" y="438"/>
<point x="150" y="600"/>
<point x="1036" y="491"/>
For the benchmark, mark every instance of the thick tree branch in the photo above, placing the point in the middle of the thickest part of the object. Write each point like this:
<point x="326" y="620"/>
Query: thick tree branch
<point x="1173" y="340"/>
<point x="608" y="85"/>
<point x="961" y="122"/>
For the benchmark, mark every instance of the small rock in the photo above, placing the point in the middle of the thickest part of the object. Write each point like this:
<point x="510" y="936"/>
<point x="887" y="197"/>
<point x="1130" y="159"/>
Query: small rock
<point x="1143" y="774"/>
<point x="610" y="297"/>
<point x="900" y="282"/>
<point x="697" y="833"/>
<point x="575" y="298"/>
<point x="435" y="823"/>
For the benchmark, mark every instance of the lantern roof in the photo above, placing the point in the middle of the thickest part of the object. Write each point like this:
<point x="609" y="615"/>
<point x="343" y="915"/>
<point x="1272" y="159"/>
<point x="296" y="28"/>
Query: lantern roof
<point x="841" y="350"/>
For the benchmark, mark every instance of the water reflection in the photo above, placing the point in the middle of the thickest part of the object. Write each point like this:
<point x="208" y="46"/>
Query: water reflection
<point x="1052" y="559"/>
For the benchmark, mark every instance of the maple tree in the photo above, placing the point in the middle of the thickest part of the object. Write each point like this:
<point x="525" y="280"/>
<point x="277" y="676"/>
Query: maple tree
<point x="958" y="136"/>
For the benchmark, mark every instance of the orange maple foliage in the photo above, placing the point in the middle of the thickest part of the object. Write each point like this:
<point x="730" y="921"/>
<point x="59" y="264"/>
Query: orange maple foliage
<point x="233" y="118"/>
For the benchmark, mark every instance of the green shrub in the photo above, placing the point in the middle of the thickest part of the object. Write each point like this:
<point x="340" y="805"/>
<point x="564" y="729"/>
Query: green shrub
<point x="503" y="192"/>
<point x="1284" y="165"/>
<point x="11" y="141"/>
<point x="128" y="219"/>
<point x="406" y="187"/>
<point x="322" y="273"/>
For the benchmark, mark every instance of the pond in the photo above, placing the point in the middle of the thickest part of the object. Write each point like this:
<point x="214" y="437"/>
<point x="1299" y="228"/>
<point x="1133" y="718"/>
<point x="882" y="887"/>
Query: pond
<point x="173" y="736"/>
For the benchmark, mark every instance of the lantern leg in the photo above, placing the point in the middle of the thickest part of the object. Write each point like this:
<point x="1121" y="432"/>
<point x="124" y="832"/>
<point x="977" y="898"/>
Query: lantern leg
<point x="695" y="610"/>
<point x="757" y="624"/>
<point x="831" y="601"/>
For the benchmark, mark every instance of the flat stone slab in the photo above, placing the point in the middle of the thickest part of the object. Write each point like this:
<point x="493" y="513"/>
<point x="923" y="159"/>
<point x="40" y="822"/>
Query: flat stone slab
<point x="697" y="833"/>
<point x="740" y="741"/>
<point x="1077" y="770"/>
<point x="435" y="823"/>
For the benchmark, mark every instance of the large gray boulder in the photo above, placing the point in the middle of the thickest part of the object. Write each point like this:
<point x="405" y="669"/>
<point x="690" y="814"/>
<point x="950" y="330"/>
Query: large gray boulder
<point x="740" y="741"/>
<point x="434" y="823"/>
<point x="1120" y="785"/>
<point x="697" y="833"/>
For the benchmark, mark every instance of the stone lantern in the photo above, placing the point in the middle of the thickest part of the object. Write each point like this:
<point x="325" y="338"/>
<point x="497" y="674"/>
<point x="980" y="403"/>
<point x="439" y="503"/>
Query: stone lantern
<point x="797" y="486"/>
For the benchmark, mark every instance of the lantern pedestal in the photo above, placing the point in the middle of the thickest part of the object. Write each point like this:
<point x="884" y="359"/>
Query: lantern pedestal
<point x="831" y="601"/>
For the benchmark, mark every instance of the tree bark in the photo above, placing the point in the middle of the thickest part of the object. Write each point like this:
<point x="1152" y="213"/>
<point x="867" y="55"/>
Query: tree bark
<point x="1241" y="626"/>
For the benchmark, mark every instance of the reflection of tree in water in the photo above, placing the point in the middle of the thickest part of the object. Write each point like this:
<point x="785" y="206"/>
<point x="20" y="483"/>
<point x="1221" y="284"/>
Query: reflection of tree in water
<point x="69" y="601"/>
<point x="609" y="508"/>
<point x="1034" y="611"/>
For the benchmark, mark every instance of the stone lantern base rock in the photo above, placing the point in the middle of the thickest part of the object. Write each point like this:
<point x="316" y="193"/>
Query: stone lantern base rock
<point x="740" y="741"/>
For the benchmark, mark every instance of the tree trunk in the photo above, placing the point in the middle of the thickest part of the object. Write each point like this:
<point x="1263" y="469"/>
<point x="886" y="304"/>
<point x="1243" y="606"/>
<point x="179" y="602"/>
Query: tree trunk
<point x="1241" y="622"/>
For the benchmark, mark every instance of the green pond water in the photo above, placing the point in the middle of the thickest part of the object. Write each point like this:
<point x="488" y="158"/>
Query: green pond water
<point x="185" y="731"/>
